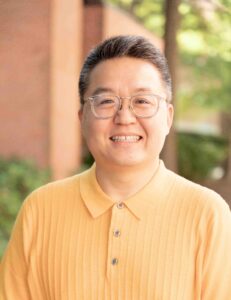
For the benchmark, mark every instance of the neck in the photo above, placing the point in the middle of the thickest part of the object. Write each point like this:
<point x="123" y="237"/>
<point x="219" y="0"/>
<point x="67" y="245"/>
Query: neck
<point x="124" y="182"/>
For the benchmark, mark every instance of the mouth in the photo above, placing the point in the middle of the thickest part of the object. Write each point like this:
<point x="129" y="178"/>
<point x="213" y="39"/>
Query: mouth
<point x="125" y="138"/>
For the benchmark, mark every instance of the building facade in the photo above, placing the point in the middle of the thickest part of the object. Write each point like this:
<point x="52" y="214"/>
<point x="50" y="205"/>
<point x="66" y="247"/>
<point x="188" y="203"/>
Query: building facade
<point x="43" y="44"/>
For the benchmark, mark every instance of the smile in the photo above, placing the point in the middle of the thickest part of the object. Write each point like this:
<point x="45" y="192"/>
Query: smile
<point x="125" y="138"/>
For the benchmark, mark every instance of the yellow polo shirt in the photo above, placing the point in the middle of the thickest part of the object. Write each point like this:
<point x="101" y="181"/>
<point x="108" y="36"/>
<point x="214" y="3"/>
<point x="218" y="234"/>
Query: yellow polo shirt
<point x="170" y="241"/>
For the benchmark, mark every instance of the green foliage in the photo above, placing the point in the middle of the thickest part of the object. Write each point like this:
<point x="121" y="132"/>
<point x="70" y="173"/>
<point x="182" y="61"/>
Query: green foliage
<point x="17" y="179"/>
<point x="148" y="12"/>
<point x="205" y="50"/>
<point x="204" y="40"/>
<point x="199" y="154"/>
<point x="210" y="81"/>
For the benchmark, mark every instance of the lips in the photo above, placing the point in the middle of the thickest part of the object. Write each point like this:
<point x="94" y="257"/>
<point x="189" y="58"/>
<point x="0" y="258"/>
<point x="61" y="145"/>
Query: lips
<point x="126" y="138"/>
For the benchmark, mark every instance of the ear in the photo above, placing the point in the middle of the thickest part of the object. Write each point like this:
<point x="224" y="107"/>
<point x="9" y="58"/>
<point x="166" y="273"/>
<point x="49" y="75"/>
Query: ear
<point x="170" y="116"/>
<point x="80" y="114"/>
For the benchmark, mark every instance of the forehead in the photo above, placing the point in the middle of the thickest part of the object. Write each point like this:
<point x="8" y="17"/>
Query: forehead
<point x="125" y="74"/>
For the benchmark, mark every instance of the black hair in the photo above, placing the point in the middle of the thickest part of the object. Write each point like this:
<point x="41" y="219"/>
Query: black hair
<point x="120" y="46"/>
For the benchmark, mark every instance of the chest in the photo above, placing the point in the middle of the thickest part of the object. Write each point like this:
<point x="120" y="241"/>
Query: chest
<point x="114" y="256"/>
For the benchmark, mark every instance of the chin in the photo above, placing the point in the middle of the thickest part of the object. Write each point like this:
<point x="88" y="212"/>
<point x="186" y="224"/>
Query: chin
<point x="129" y="162"/>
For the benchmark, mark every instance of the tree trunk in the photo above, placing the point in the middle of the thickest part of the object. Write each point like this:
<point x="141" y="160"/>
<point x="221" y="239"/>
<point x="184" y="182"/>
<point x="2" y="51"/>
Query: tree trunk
<point x="172" y="22"/>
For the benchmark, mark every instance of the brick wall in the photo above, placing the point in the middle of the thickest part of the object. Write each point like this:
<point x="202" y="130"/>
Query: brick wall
<point x="42" y="47"/>
<point x="24" y="79"/>
<point x="93" y="26"/>
<point x="102" y="21"/>
<point x="40" y="57"/>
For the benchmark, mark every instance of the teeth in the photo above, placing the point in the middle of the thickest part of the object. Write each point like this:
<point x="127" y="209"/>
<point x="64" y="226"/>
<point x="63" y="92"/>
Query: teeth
<point x="125" y="138"/>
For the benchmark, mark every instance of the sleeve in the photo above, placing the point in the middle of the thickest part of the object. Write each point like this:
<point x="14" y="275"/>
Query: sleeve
<point x="215" y="252"/>
<point x="14" y="265"/>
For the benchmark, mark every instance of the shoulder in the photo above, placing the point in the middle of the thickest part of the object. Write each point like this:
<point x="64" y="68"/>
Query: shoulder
<point x="202" y="198"/>
<point x="55" y="192"/>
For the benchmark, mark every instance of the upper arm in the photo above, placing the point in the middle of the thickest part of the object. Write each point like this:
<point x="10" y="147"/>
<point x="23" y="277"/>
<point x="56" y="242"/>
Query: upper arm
<point x="214" y="255"/>
<point x="14" y="265"/>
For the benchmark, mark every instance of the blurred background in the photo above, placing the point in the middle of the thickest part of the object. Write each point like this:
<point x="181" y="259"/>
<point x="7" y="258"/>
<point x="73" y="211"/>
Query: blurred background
<point x="42" y="46"/>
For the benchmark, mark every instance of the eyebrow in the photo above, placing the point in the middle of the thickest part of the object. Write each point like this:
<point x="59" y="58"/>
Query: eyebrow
<point x="101" y="90"/>
<point x="143" y="89"/>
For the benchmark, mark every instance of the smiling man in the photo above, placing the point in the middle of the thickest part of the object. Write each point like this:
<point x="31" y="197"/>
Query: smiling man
<point x="125" y="119"/>
<point x="127" y="228"/>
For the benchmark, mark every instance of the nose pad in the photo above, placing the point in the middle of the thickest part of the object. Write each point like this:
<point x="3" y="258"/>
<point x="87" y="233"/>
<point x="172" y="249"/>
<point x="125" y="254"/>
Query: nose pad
<point x="129" y="107"/>
<point x="125" y="115"/>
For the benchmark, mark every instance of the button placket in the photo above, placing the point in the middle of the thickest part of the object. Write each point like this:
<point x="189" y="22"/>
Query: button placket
<point x="116" y="232"/>
<point x="114" y="261"/>
<point x="115" y="240"/>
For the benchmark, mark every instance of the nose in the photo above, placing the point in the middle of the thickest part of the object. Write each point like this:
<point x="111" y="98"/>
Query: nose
<point x="125" y="115"/>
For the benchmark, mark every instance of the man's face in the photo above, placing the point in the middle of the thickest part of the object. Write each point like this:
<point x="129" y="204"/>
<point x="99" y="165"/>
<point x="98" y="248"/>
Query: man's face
<point x="144" y="136"/>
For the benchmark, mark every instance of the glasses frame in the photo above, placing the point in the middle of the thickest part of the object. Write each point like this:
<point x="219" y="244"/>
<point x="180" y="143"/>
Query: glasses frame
<point x="91" y="100"/>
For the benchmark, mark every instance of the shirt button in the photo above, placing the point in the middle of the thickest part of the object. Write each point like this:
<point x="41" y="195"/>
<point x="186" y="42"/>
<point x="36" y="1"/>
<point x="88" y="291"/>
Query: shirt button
<point x="116" y="233"/>
<point x="114" y="261"/>
<point x="120" y="205"/>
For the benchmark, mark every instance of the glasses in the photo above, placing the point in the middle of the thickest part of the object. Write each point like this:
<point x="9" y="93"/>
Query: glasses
<point x="105" y="106"/>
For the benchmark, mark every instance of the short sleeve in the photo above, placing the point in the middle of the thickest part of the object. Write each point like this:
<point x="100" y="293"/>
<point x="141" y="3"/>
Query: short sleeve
<point x="214" y="256"/>
<point x="14" y="265"/>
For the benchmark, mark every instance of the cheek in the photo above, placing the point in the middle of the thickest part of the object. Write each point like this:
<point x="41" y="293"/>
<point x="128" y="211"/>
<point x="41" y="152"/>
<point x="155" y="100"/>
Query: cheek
<point x="92" y="128"/>
<point x="85" y="125"/>
<point x="157" y="132"/>
<point x="164" y="120"/>
<point x="157" y="128"/>
<point x="88" y="134"/>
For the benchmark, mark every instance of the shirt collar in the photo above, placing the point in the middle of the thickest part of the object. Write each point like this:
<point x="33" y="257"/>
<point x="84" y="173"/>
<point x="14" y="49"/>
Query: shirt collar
<point x="97" y="202"/>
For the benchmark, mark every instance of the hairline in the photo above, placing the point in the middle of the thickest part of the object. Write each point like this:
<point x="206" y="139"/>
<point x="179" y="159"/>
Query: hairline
<point x="133" y="46"/>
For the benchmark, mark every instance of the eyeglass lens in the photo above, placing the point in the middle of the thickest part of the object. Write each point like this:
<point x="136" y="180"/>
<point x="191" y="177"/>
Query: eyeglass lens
<point x="106" y="106"/>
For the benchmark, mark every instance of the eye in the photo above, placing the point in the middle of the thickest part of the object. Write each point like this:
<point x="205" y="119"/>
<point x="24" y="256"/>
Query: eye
<point x="104" y="101"/>
<point x="142" y="101"/>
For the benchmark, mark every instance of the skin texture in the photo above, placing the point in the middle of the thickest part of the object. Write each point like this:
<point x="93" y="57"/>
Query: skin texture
<point x="119" y="161"/>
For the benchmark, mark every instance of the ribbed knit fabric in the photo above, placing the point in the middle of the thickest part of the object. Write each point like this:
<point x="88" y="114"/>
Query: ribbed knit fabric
<point x="170" y="241"/>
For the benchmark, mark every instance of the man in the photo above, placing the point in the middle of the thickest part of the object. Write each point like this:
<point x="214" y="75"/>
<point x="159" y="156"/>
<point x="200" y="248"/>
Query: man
<point x="127" y="228"/>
